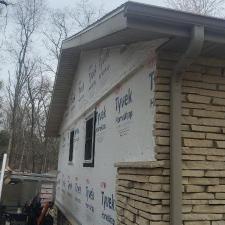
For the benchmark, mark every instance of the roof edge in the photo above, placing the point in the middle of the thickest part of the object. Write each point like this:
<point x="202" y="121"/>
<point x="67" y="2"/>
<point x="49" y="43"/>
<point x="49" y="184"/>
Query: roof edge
<point x="108" y="24"/>
<point x="140" y="9"/>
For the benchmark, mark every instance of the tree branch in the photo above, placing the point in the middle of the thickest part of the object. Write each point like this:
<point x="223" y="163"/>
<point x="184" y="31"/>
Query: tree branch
<point x="4" y="3"/>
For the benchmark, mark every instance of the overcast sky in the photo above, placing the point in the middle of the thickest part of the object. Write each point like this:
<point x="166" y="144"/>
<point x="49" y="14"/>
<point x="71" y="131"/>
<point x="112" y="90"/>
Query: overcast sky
<point x="108" y="4"/>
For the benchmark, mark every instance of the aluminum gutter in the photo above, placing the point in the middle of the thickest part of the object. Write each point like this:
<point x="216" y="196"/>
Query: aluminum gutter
<point x="192" y="52"/>
<point x="171" y="15"/>
<point x="170" y="18"/>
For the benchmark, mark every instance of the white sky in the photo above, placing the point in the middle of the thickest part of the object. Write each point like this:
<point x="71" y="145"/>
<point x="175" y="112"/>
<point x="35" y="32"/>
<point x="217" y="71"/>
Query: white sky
<point x="106" y="4"/>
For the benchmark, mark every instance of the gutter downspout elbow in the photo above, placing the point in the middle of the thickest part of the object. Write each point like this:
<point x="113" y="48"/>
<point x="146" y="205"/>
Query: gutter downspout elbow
<point x="192" y="52"/>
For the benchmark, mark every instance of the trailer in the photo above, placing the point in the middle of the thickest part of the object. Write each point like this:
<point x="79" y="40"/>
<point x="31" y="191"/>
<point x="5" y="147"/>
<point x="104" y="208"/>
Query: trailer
<point x="18" y="191"/>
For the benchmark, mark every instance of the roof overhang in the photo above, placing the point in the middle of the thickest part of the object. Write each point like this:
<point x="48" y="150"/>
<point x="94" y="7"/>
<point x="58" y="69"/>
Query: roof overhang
<point x="132" y="22"/>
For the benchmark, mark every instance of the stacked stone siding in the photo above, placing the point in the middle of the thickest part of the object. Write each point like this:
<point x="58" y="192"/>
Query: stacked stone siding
<point x="143" y="194"/>
<point x="203" y="151"/>
<point x="204" y="142"/>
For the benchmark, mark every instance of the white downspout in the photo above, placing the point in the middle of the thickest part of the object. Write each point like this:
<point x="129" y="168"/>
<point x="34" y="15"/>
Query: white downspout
<point x="192" y="52"/>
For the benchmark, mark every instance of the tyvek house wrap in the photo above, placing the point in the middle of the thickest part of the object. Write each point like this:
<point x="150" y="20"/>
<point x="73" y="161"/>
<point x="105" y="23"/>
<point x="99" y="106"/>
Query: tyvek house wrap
<point x="118" y="83"/>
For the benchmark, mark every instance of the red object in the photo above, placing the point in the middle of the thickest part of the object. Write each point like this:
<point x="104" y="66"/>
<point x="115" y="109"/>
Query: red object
<point x="43" y="213"/>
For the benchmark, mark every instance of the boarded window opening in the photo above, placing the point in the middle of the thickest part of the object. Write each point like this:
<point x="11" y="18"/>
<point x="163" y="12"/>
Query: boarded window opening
<point x="89" y="141"/>
<point x="71" y="146"/>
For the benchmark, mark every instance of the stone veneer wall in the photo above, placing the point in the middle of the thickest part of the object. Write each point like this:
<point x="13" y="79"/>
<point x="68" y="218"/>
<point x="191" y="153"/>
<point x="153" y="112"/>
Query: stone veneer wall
<point x="143" y="188"/>
<point x="204" y="143"/>
<point x="143" y="193"/>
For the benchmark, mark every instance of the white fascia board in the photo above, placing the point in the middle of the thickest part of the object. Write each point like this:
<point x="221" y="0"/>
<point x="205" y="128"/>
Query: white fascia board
<point x="108" y="26"/>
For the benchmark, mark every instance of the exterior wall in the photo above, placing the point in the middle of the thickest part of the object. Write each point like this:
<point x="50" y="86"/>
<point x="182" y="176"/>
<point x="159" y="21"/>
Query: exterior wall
<point x="143" y="194"/>
<point x="103" y="80"/>
<point x="203" y="144"/>
<point x="143" y="190"/>
<point x="61" y="219"/>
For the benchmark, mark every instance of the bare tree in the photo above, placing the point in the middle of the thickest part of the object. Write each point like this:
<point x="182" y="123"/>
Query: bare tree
<point x="59" y="25"/>
<point x="5" y="3"/>
<point x="31" y="150"/>
<point x="86" y="13"/>
<point x="38" y="92"/>
<point x="65" y="22"/>
<point x="204" y="7"/>
<point x="27" y="19"/>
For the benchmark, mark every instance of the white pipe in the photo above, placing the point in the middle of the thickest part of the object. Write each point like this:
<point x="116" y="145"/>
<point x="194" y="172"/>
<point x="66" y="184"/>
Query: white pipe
<point x="2" y="173"/>
<point x="192" y="52"/>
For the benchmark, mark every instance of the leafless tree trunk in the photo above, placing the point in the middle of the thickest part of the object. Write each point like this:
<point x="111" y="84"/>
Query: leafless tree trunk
<point x="204" y="7"/>
<point x="27" y="17"/>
